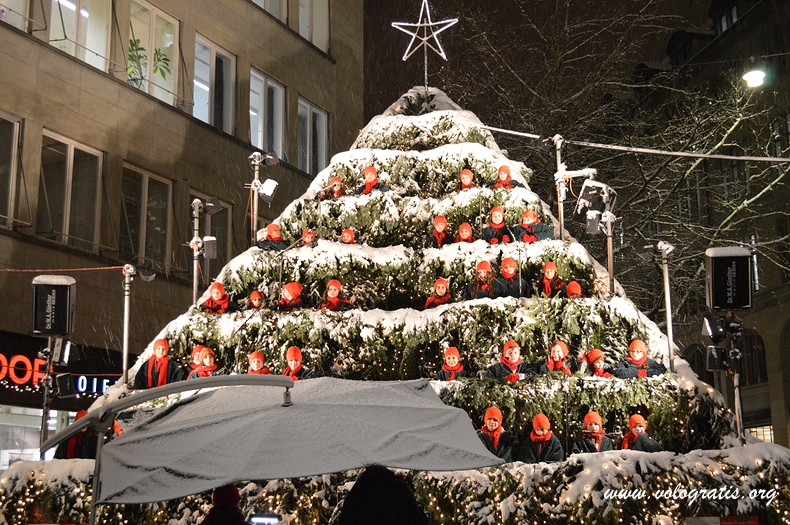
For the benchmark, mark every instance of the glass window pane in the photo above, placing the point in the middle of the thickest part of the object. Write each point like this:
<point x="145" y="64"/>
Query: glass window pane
<point x="49" y="219"/>
<point x="132" y="195"/>
<point x="219" y="229"/>
<point x="275" y="98"/>
<point x="304" y="18"/>
<point x="7" y="165"/>
<point x="256" y="111"/>
<point x="13" y="13"/>
<point x="223" y="92"/>
<point x="157" y="207"/>
<point x="302" y="137"/>
<point x="94" y="21"/>
<point x="82" y="216"/>
<point x="139" y="37"/>
<point x="164" y="60"/>
<point x="202" y="81"/>
<point x="277" y="8"/>
<point x="320" y="36"/>
<point x="318" y="142"/>
<point x="63" y="25"/>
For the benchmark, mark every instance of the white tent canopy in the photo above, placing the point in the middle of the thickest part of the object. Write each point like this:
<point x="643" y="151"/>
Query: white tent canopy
<point x="240" y="433"/>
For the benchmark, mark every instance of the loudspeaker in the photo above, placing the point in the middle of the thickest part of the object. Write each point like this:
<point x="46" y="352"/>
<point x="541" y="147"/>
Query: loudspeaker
<point x="65" y="385"/>
<point x="728" y="278"/>
<point x="54" y="301"/>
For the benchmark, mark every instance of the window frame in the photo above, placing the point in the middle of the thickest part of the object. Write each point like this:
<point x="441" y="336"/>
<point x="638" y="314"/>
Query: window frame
<point x="309" y="147"/>
<point x="150" y="84"/>
<point x="140" y="258"/>
<point x="13" y="172"/>
<point x="81" y="51"/>
<point x="64" y="237"/>
<point x="231" y="90"/>
<point x="310" y="31"/>
<point x="18" y="18"/>
<point x="205" y="229"/>
<point x="266" y="6"/>
<point x="278" y="142"/>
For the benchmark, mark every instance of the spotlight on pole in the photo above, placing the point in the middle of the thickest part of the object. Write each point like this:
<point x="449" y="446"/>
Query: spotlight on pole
<point x="594" y="209"/>
<point x="265" y="190"/>
<point x="754" y="77"/>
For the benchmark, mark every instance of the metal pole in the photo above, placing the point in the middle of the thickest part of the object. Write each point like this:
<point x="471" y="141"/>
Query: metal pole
<point x="561" y="188"/>
<point x="96" y="476"/>
<point x="609" y="219"/>
<point x="668" y="307"/>
<point x="45" y="381"/>
<point x="196" y="247"/>
<point x="128" y="275"/>
<point x="736" y="383"/>
<point x="255" y="188"/>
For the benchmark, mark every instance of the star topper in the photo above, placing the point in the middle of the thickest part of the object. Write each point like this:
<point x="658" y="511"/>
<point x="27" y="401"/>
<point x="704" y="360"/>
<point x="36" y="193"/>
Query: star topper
<point x="425" y="32"/>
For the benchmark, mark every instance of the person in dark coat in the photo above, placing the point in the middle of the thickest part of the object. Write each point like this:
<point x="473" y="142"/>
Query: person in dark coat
<point x="638" y="364"/>
<point x="466" y="177"/>
<point x="593" y="437"/>
<point x="503" y="179"/>
<point x="484" y="284"/>
<point x="550" y="284"/>
<point x="225" y="509"/>
<point x="208" y="365"/>
<point x="194" y="360"/>
<point x="334" y="190"/>
<point x="465" y="233"/>
<point x="295" y="370"/>
<point x="218" y="301"/>
<point x="557" y="360"/>
<point x="257" y="364"/>
<point x="637" y="438"/>
<point x="371" y="182"/>
<point x="159" y="369"/>
<point x="451" y="368"/>
<point x="542" y="445"/>
<point x="511" y="284"/>
<point x="531" y="229"/>
<point x="497" y="231"/>
<point x="496" y="440"/>
<point x="511" y="367"/>
<point x="274" y="240"/>
<point x="596" y="364"/>
<point x="290" y="298"/>
<point x="382" y="498"/>
<point x="441" y="294"/>
<point x="80" y="446"/>
<point x="439" y="237"/>
<point x="333" y="299"/>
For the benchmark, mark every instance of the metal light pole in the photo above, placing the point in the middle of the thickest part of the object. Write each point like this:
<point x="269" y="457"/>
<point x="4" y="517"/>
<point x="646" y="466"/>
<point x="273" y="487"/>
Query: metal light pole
<point x="559" y="180"/>
<point x="255" y="159"/>
<point x="129" y="272"/>
<point x="197" y="247"/>
<point x="608" y="218"/>
<point x="665" y="249"/>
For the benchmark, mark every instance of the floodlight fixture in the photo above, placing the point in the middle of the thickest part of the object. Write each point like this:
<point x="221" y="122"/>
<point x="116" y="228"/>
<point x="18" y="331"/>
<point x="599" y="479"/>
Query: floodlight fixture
<point x="754" y="77"/>
<point x="268" y="189"/>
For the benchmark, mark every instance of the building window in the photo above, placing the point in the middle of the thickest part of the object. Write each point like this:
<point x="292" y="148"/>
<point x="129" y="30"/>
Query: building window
<point x="14" y="12"/>
<point x="734" y="13"/>
<point x="153" y="52"/>
<point x="764" y="433"/>
<point x="723" y="23"/>
<point x="68" y="202"/>
<point x="214" y="84"/>
<point x="145" y="219"/>
<point x="217" y="225"/>
<point x="753" y="367"/>
<point x="267" y="113"/>
<point x="278" y="8"/>
<point x="9" y="142"/>
<point x="311" y="135"/>
<point x="314" y="22"/>
<point x="80" y="28"/>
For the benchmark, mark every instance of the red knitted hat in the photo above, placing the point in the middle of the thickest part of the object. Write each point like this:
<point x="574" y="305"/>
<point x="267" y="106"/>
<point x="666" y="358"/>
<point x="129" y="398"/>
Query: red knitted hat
<point x="509" y="260"/>
<point x="510" y="344"/>
<point x="335" y="180"/>
<point x="638" y="344"/>
<point x="272" y="228"/>
<point x="504" y="169"/>
<point x="562" y="345"/>
<point x="439" y="281"/>
<point x="295" y="289"/>
<point x="593" y="355"/>
<point x="493" y="413"/>
<point x="440" y="219"/>
<point x="466" y="171"/>
<point x="370" y="169"/>
<point x="162" y="342"/>
<point x="217" y="286"/>
<point x="206" y="351"/>
<point x="496" y="209"/>
<point x="451" y="350"/>
<point x="256" y="295"/>
<point x="256" y="355"/>
<point x="307" y="231"/>
<point x="541" y="421"/>
<point x="593" y="417"/>
<point x="532" y="214"/>
<point x="293" y="353"/>
<point x="465" y="226"/>
<point x="549" y="266"/>
<point x="196" y="350"/>
<point x="573" y="288"/>
<point x="636" y="419"/>
<point x="350" y="232"/>
<point x="227" y="496"/>
<point x="483" y="265"/>
<point x="334" y="282"/>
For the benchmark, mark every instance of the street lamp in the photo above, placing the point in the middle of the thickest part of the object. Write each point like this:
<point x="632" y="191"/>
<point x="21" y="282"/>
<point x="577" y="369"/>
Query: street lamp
<point x="754" y="77"/>
<point x="129" y="271"/>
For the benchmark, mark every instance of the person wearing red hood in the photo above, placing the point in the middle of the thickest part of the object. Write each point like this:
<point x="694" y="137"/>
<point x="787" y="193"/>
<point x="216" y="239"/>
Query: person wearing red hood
<point x="593" y="437"/>
<point x="208" y="366"/>
<point x="511" y="284"/>
<point x="573" y="290"/>
<point x="542" y="446"/>
<point x="484" y="285"/>
<point x="467" y="178"/>
<point x="596" y="364"/>
<point x="531" y="229"/>
<point x="290" y="298"/>
<point x="637" y="438"/>
<point x="557" y="360"/>
<point x="441" y="294"/>
<point x="159" y="369"/>
<point x="465" y="233"/>
<point x="511" y="367"/>
<point x="550" y="284"/>
<point x="274" y="239"/>
<point x="308" y="237"/>
<point x="496" y="440"/>
<point x="195" y="359"/>
<point x="333" y="299"/>
<point x="334" y="190"/>
<point x="497" y="231"/>
<point x="79" y="446"/>
<point x="439" y="237"/>
<point x="347" y="236"/>
<point x="638" y="364"/>
<point x="295" y="370"/>
<point x="452" y="368"/>
<point x="255" y="301"/>
<point x="503" y="179"/>
<point x="225" y="507"/>
<point x="218" y="301"/>
<point x="257" y="364"/>
<point x="371" y="182"/>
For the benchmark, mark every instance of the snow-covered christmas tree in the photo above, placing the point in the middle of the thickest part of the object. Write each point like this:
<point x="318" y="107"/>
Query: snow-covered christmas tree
<point x="418" y="147"/>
